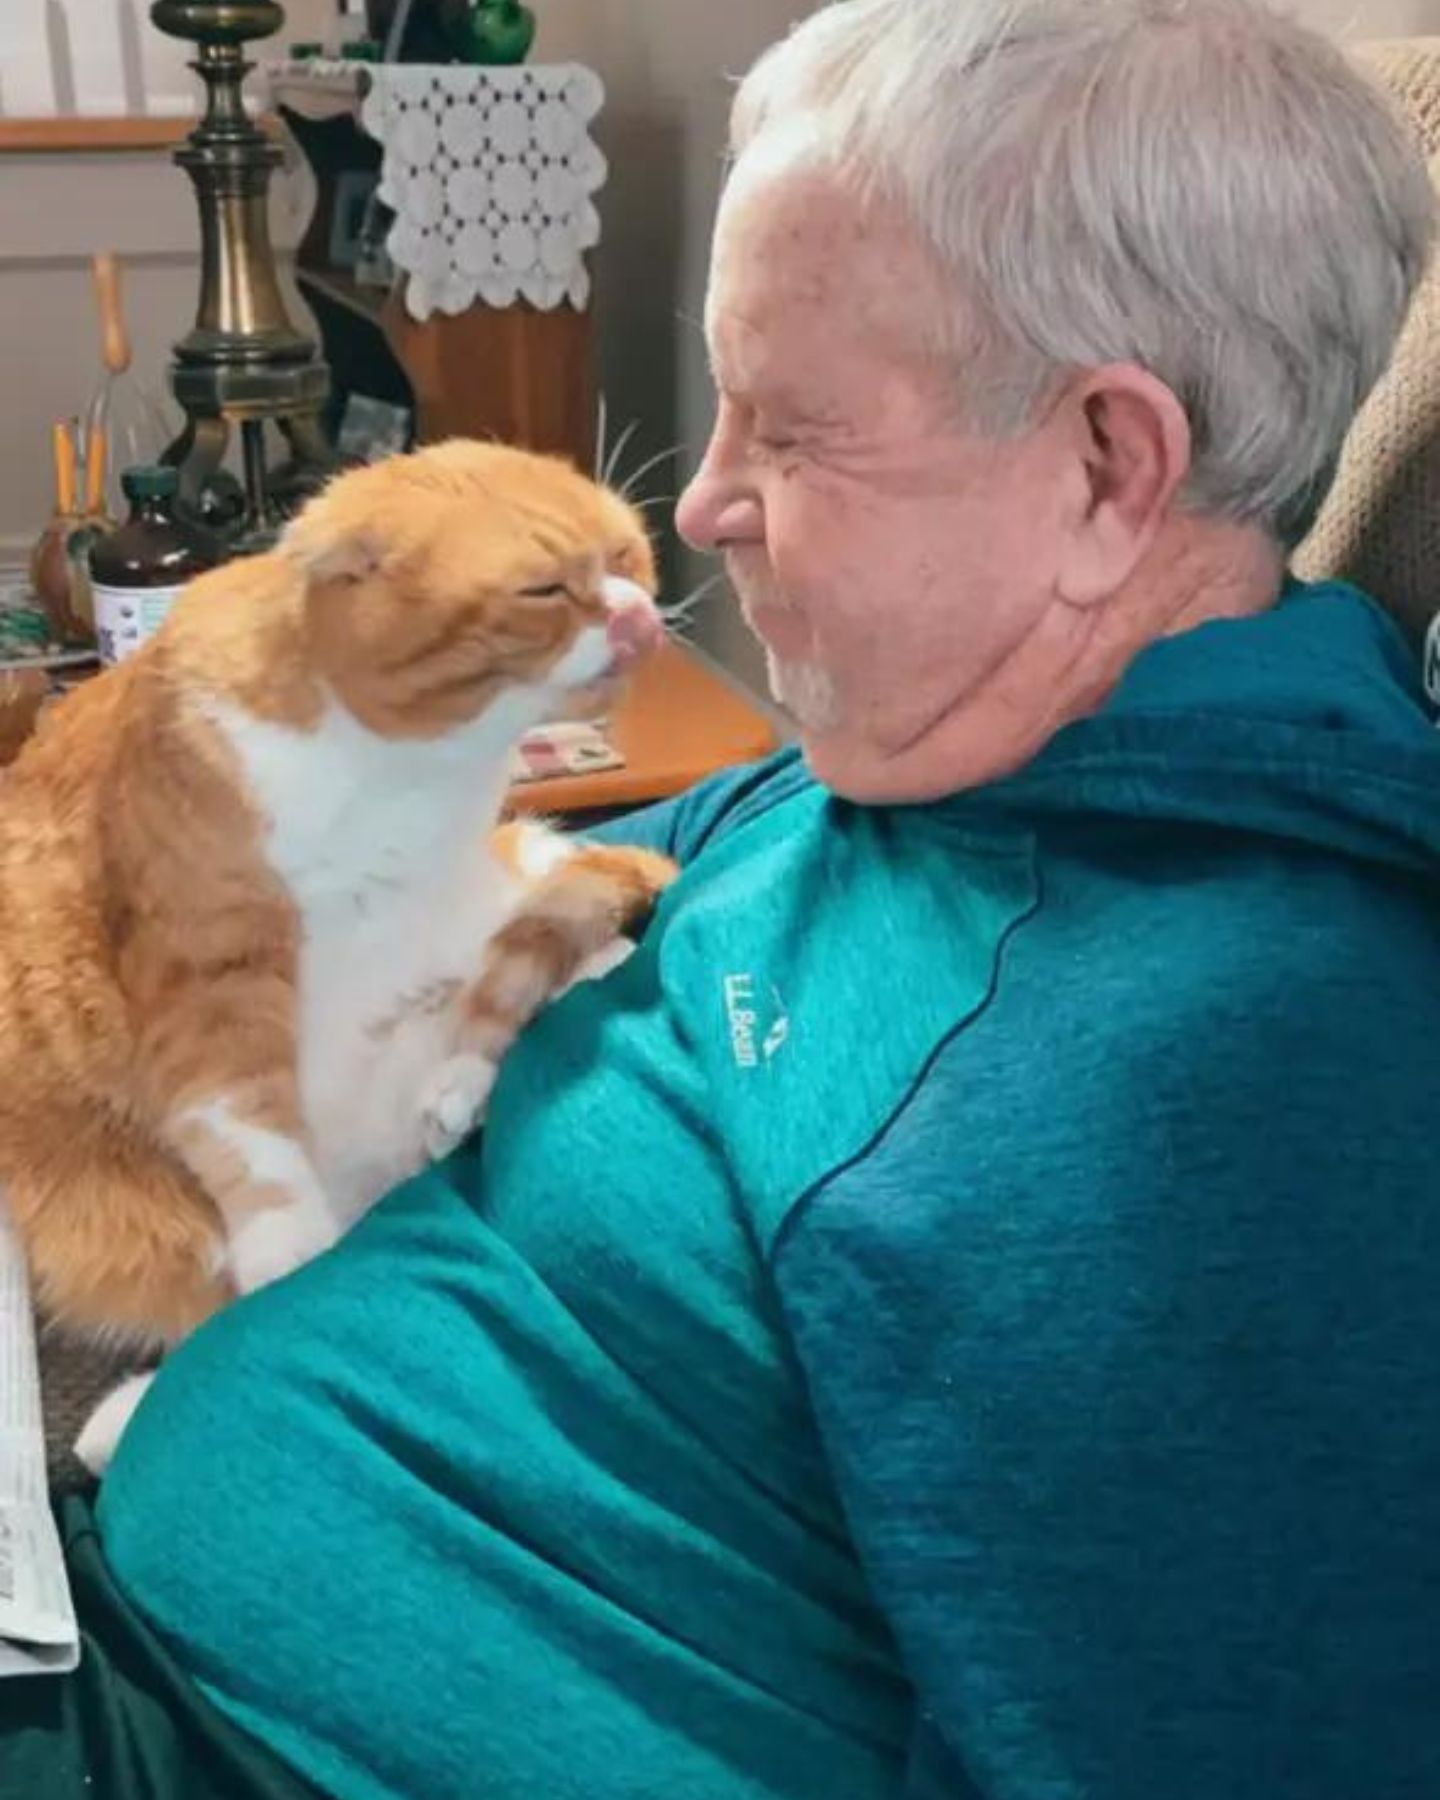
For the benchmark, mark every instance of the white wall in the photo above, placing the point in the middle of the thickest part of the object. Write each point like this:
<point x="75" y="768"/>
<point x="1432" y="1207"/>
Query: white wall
<point x="57" y="209"/>
<point x="667" y="65"/>
<point x="88" y="57"/>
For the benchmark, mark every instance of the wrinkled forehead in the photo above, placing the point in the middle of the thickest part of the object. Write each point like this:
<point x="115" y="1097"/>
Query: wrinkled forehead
<point x="803" y="273"/>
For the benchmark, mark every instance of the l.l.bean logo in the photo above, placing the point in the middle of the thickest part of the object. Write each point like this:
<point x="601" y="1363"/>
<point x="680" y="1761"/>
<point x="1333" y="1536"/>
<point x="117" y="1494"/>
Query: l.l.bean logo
<point x="759" y="1026"/>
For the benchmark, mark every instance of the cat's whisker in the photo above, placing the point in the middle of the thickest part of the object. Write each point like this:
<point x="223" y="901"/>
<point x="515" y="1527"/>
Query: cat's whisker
<point x="602" y="425"/>
<point x="678" y="615"/>
<point x="653" y="500"/>
<point x="612" y="462"/>
<point x="636" y="476"/>
<point x="679" y="624"/>
<point x="681" y="611"/>
<point x="702" y="589"/>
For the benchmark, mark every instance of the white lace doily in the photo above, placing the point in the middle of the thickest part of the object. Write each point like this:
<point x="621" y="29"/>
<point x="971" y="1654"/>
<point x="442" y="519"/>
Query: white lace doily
<point x="490" y="172"/>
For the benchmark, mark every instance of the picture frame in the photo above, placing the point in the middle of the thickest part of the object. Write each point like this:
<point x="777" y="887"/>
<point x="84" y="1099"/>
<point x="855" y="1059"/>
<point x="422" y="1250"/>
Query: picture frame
<point x="370" y="429"/>
<point x="354" y="189"/>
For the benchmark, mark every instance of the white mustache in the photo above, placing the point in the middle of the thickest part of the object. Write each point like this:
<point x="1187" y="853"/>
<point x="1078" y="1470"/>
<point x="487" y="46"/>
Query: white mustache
<point x="756" y="588"/>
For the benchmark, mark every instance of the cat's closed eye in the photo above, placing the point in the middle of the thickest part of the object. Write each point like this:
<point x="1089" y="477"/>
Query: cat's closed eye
<point x="627" y="560"/>
<point x="551" y="590"/>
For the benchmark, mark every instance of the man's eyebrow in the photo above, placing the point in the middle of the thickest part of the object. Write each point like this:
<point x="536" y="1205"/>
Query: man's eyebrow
<point x="714" y="362"/>
<point x="725" y="376"/>
<point x="772" y="389"/>
<point x="775" y="392"/>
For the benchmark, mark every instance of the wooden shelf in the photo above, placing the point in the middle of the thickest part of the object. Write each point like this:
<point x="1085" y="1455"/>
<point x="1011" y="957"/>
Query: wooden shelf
<point x="321" y="96"/>
<point x="40" y="136"/>
<point x="514" y="373"/>
<point x="341" y="287"/>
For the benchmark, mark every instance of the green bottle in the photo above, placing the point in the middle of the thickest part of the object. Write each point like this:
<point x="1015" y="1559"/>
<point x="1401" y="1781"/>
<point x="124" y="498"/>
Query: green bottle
<point x="495" y="32"/>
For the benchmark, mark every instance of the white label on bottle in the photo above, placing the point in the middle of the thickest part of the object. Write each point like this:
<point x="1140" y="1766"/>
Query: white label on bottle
<point x="126" y="617"/>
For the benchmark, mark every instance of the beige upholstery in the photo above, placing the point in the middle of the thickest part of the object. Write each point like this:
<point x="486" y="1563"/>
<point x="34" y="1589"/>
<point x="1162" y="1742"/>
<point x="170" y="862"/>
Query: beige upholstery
<point x="74" y="1378"/>
<point x="1380" y="526"/>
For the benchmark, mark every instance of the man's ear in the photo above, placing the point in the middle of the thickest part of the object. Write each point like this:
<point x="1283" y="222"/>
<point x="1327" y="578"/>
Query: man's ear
<point x="1131" y="439"/>
<point x="329" y="544"/>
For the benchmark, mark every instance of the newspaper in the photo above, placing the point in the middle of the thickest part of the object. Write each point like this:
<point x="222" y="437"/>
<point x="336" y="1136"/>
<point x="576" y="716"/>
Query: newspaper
<point x="38" y="1633"/>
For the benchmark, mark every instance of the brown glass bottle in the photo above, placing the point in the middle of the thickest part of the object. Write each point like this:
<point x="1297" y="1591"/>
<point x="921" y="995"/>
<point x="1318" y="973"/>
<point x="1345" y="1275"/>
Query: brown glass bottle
<point x="138" y="570"/>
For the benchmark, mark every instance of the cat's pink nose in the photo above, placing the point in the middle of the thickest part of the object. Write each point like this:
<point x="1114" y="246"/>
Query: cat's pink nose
<point x="633" y="627"/>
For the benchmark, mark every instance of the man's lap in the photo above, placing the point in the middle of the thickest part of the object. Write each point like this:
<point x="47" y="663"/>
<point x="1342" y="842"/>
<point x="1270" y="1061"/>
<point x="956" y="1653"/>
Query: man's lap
<point x="129" y="1724"/>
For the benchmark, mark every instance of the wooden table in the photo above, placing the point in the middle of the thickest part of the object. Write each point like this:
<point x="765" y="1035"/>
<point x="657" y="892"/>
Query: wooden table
<point x="677" y="723"/>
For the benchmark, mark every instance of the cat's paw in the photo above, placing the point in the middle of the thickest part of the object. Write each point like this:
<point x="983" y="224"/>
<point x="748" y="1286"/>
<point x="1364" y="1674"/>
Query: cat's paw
<point x="270" y="1242"/>
<point x="642" y="876"/>
<point x="600" y="963"/>
<point x="98" y="1441"/>
<point x="454" y="1103"/>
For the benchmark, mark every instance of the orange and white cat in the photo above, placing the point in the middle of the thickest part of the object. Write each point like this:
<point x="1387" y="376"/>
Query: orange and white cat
<point x="261" y="943"/>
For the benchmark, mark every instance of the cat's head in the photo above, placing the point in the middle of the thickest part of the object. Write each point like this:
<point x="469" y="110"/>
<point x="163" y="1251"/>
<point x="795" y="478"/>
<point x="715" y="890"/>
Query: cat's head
<point x="438" y="582"/>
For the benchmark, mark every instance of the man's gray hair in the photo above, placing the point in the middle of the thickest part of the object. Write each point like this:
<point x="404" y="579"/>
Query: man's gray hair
<point x="1202" y="187"/>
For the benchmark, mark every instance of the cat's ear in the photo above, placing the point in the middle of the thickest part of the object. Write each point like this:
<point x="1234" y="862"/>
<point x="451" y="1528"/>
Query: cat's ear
<point x="325" y="548"/>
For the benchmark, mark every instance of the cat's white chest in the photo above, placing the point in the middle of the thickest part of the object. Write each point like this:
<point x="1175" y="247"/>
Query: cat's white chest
<point x="381" y="988"/>
<point x="383" y="848"/>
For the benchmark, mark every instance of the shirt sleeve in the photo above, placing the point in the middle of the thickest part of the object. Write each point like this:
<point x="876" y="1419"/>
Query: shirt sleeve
<point x="1124" y="1353"/>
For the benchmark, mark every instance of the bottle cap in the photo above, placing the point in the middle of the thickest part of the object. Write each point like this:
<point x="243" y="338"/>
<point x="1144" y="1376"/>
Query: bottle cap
<point x="150" y="481"/>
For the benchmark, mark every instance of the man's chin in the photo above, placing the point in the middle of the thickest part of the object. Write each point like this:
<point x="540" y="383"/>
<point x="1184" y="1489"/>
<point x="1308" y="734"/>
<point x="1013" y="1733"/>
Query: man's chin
<point x="806" y="692"/>
<point x="784" y="632"/>
<point x="845" y="762"/>
<point x="958" y="753"/>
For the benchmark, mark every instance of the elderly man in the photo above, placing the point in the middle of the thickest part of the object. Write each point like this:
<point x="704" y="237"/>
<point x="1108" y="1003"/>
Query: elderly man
<point x="955" y="1313"/>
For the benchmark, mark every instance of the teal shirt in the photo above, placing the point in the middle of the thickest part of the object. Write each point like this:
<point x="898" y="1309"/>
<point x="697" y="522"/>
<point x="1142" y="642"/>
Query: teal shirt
<point x="952" y="1315"/>
<point x="536" y="1441"/>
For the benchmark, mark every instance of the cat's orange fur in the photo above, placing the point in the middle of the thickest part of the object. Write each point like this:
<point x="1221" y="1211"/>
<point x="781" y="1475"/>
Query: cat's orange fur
<point x="153" y="939"/>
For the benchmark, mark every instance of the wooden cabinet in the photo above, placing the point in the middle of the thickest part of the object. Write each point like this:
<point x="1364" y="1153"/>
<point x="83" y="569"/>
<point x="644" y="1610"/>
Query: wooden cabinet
<point x="514" y="373"/>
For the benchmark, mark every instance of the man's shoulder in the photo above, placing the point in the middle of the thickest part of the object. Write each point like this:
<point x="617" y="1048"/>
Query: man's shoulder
<point x="1219" y="1023"/>
<point x="724" y="803"/>
<point x="1201" y="927"/>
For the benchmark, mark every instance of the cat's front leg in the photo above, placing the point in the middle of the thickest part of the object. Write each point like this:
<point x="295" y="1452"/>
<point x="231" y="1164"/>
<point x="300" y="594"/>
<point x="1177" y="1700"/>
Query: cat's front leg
<point x="217" y="1062"/>
<point x="571" y="925"/>
<point x="452" y="1106"/>
<point x="264" y="1185"/>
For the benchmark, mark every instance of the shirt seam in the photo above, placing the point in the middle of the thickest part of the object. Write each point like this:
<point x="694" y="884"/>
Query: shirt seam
<point x="808" y="1197"/>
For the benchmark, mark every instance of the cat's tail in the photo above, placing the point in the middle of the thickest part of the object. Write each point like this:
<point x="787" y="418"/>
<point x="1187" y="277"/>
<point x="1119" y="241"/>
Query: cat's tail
<point x="22" y="694"/>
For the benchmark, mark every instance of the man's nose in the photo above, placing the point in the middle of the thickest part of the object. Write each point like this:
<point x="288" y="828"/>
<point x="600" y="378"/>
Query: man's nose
<point x="717" y="510"/>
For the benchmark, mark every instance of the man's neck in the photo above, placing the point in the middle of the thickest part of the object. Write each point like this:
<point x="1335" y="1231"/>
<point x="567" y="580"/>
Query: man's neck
<point x="1069" y="664"/>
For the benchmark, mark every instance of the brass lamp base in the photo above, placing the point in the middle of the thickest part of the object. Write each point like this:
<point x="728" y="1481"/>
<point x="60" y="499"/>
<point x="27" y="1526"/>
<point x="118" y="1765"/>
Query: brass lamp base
<point x="244" y="362"/>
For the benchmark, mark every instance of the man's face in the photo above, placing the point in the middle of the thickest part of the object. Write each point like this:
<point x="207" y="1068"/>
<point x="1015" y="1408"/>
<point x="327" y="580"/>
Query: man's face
<point x="889" y="560"/>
